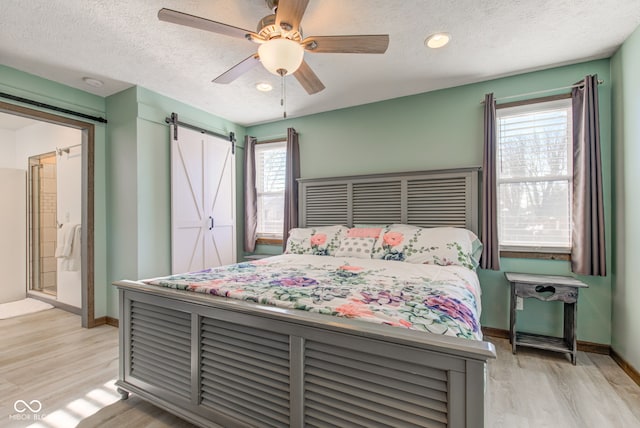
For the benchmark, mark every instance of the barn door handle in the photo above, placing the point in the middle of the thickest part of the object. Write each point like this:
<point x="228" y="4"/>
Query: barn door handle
<point x="210" y="222"/>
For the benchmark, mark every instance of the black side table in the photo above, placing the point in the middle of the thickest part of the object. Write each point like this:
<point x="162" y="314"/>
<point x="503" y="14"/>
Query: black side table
<point x="546" y="288"/>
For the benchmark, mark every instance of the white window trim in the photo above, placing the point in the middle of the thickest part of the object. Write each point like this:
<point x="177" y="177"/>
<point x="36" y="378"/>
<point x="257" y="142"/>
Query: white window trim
<point x="526" y="108"/>
<point x="273" y="144"/>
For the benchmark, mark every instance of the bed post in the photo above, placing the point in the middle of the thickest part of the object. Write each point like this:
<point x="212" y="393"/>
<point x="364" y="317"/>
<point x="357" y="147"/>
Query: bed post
<point x="476" y="393"/>
<point x="195" y="359"/>
<point x="122" y="336"/>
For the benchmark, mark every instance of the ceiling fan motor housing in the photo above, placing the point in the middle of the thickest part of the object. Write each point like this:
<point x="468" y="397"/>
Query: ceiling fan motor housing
<point x="267" y="29"/>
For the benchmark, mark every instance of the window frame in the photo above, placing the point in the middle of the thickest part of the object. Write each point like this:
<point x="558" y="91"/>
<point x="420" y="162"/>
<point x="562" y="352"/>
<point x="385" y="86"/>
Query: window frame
<point x="537" y="252"/>
<point x="267" y="238"/>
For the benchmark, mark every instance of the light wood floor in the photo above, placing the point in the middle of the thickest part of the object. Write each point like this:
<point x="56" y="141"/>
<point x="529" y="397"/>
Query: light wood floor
<point x="538" y="389"/>
<point x="47" y="357"/>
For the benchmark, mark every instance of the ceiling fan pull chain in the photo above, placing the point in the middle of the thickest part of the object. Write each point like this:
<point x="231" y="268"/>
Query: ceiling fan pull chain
<point x="283" y="98"/>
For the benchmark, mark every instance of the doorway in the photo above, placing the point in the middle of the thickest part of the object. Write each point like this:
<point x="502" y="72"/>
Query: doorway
<point x="86" y="155"/>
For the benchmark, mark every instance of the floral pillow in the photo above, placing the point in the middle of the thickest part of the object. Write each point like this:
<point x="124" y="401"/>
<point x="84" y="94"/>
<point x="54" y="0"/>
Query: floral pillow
<point x="442" y="246"/>
<point x="319" y="241"/>
<point x="396" y="242"/>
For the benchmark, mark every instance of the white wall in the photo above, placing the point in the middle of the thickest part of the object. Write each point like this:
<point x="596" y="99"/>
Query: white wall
<point x="70" y="211"/>
<point x="7" y="148"/>
<point x="13" y="241"/>
<point x="43" y="138"/>
<point x="13" y="231"/>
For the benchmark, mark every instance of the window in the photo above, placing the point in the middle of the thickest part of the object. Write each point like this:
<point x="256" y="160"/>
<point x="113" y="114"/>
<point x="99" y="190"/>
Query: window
<point x="270" y="176"/>
<point x="534" y="162"/>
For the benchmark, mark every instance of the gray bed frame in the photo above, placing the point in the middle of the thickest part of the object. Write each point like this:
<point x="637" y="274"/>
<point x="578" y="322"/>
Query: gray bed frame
<point x="220" y="362"/>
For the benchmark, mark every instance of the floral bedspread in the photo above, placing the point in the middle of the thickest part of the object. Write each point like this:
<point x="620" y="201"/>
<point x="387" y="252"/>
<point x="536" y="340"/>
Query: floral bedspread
<point x="438" y="299"/>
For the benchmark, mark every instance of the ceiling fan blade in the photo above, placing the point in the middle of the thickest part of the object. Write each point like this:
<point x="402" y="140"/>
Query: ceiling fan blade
<point x="370" y="44"/>
<point x="308" y="79"/>
<point x="181" y="18"/>
<point x="289" y="14"/>
<point x="238" y="70"/>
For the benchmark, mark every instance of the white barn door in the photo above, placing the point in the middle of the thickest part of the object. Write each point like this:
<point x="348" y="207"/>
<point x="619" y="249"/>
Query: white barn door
<point x="203" y="232"/>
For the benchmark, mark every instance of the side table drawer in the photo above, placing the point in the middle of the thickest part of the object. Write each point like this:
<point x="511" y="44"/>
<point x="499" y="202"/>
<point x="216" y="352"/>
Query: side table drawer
<point x="547" y="292"/>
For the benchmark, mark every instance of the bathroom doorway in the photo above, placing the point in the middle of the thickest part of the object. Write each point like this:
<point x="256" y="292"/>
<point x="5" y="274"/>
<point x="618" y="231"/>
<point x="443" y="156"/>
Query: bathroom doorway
<point x="83" y="155"/>
<point x="43" y="225"/>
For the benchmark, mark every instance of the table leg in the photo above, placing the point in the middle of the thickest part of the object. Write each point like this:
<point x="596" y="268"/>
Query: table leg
<point x="570" y="316"/>
<point x="512" y="319"/>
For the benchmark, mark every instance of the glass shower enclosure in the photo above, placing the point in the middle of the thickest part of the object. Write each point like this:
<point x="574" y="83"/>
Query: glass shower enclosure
<point x="43" y="225"/>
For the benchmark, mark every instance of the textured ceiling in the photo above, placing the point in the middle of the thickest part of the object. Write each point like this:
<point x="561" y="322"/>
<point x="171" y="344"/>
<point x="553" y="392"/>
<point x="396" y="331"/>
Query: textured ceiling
<point x="123" y="43"/>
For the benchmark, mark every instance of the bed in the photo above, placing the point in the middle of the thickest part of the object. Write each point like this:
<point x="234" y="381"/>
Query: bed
<point x="322" y="336"/>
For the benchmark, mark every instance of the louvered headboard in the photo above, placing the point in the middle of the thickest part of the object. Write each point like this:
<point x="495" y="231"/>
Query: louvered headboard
<point x="426" y="199"/>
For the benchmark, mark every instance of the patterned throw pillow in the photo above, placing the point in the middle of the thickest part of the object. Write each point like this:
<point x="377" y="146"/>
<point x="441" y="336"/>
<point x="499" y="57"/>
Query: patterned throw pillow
<point x="319" y="241"/>
<point x="358" y="247"/>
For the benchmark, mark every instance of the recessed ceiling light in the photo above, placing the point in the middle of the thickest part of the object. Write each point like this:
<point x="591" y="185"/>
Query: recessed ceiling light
<point x="93" y="82"/>
<point x="264" y="87"/>
<point x="437" y="40"/>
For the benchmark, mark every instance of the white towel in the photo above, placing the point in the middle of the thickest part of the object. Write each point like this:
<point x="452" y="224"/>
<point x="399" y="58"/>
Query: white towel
<point x="65" y="240"/>
<point x="73" y="262"/>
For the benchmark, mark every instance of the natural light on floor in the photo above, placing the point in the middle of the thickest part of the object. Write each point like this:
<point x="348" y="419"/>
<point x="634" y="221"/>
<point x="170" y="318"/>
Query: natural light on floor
<point x="80" y="408"/>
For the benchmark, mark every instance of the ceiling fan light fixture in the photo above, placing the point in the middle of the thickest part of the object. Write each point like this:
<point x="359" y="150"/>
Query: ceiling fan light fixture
<point x="281" y="56"/>
<point x="437" y="40"/>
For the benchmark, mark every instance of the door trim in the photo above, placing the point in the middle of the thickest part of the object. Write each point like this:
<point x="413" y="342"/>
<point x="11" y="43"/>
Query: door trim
<point x="88" y="204"/>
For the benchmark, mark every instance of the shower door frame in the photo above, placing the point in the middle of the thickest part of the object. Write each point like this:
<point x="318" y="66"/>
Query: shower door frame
<point x="34" y="233"/>
<point x="88" y="168"/>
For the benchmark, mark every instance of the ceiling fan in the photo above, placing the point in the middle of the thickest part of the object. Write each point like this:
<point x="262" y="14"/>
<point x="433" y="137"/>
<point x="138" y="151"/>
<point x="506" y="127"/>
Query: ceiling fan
<point x="282" y="45"/>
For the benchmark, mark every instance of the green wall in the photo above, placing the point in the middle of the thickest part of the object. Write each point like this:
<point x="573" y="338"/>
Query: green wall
<point x="443" y="129"/>
<point x="139" y="192"/>
<point x="25" y="85"/>
<point x="625" y="69"/>
<point x="131" y="178"/>
<point x="440" y="129"/>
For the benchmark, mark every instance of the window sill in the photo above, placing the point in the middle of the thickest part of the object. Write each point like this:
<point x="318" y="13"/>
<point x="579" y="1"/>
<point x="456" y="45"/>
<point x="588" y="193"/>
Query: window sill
<point x="254" y="257"/>
<point x="535" y="255"/>
<point x="269" y="241"/>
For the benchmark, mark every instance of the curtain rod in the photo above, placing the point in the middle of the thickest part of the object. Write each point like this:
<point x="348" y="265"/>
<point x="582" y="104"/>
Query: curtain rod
<point x="273" y="140"/>
<point x="600" y="82"/>
<point x="173" y="120"/>
<point x="50" y="107"/>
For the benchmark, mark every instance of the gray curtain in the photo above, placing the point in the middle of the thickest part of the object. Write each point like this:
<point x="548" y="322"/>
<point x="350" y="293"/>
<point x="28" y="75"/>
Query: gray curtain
<point x="250" y="200"/>
<point x="292" y="173"/>
<point x="588" y="249"/>
<point x="491" y="251"/>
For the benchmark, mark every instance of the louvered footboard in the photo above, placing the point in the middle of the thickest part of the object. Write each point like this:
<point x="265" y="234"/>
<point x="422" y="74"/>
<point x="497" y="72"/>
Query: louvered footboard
<point x="220" y="363"/>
